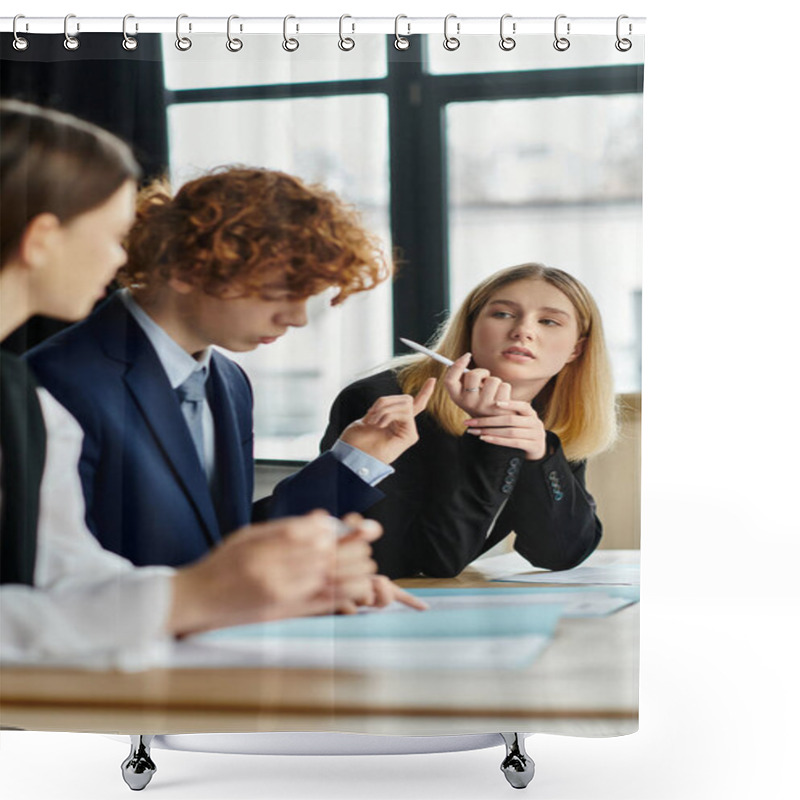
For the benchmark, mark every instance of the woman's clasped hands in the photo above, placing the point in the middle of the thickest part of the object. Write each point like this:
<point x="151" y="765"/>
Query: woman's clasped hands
<point x="495" y="417"/>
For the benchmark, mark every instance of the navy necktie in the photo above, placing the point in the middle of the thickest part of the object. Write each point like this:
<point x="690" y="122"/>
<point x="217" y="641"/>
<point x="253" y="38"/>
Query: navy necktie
<point x="192" y="394"/>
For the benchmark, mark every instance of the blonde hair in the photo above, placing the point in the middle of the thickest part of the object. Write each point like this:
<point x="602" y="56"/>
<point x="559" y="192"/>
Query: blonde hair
<point x="577" y="404"/>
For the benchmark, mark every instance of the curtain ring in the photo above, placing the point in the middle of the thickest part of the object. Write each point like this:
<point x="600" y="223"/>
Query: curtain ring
<point x="400" y="42"/>
<point x="70" y="42"/>
<point x="289" y="45"/>
<point x="623" y="45"/>
<point x="507" y="42"/>
<point x="234" y="45"/>
<point x="128" y="42"/>
<point x="451" y="42"/>
<point x="20" y="42"/>
<point x="345" y="42"/>
<point x="561" y="43"/>
<point x="182" y="42"/>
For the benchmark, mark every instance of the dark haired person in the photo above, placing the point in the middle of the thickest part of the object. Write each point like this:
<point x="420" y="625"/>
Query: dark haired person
<point x="67" y="192"/>
<point x="504" y="439"/>
<point x="231" y="259"/>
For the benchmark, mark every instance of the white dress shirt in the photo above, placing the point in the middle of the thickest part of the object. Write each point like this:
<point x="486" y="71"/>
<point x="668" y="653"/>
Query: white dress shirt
<point x="88" y="606"/>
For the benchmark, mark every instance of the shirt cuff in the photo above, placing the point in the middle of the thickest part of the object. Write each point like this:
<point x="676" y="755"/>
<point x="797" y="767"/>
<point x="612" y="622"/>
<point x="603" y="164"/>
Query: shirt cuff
<point x="369" y="469"/>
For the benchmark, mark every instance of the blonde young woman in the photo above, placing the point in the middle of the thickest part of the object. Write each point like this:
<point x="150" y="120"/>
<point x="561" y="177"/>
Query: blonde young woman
<point x="505" y="437"/>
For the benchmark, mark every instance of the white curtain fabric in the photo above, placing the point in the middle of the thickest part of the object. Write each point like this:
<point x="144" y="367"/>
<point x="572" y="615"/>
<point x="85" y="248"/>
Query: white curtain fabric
<point x="525" y="155"/>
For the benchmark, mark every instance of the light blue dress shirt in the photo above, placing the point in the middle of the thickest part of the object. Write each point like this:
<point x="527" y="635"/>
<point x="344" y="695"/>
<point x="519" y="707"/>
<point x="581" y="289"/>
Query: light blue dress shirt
<point x="178" y="365"/>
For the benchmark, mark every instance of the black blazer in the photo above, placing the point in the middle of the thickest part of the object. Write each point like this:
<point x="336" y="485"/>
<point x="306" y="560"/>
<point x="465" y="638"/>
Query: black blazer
<point x="451" y="498"/>
<point x="23" y="442"/>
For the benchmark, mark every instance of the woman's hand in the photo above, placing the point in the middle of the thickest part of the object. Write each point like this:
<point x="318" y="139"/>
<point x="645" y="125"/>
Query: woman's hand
<point x="475" y="391"/>
<point x="354" y="568"/>
<point x="265" y="571"/>
<point x="513" y="424"/>
<point x="370" y="589"/>
<point x="495" y="417"/>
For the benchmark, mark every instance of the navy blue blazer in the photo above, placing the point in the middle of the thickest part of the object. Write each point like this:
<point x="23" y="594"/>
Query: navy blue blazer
<point x="147" y="497"/>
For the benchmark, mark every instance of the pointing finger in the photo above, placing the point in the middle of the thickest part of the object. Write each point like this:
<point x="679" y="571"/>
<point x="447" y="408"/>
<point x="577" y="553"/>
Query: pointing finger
<point x="454" y="373"/>
<point x="424" y="395"/>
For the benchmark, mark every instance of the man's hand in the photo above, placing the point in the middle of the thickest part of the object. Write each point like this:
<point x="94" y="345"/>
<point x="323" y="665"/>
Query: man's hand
<point x="388" y="429"/>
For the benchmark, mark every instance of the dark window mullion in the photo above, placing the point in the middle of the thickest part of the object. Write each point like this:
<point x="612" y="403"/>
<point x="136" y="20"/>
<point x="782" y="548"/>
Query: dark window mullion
<point x="418" y="200"/>
<point x="417" y="152"/>
<point x="533" y="84"/>
<point x="277" y="91"/>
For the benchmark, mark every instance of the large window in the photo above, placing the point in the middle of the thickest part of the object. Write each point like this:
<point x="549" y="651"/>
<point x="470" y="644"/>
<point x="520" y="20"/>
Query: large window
<point x="462" y="162"/>
<point x="290" y="376"/>
<point x="556" y="181"/>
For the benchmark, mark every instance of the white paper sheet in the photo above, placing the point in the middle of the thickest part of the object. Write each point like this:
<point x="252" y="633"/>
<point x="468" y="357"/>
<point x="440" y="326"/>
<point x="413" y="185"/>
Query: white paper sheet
<point x="613" y="575"/>
<point x="602" y="568"/>
<point x="594" y="603"/>
<point x="496" y="652"/>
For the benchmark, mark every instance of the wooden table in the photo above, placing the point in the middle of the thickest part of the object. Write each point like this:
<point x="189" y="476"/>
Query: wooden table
<point x="585" y="683"/>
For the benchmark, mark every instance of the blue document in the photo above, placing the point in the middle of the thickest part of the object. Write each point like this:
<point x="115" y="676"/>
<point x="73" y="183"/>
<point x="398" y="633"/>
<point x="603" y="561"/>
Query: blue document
<point x="486" y="637"/>
<point x="475" y="621"/>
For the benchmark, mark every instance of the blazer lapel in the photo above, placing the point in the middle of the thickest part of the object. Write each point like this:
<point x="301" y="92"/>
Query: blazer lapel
<point x="159" y="405"/>
<point x="233" y="506"/>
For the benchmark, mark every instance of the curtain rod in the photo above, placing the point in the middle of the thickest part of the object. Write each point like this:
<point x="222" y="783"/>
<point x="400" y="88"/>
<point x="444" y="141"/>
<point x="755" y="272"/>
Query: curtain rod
<point x="403" y="25"/>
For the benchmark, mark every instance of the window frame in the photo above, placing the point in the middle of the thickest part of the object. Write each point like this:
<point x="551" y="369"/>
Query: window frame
<point x="418" y="202"/>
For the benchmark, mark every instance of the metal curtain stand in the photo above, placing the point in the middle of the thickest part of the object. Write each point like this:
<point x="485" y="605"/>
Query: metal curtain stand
<point x="138" y="768"/>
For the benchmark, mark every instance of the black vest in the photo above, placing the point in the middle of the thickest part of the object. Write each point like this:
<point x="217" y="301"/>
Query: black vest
<point x="22" y="444"/>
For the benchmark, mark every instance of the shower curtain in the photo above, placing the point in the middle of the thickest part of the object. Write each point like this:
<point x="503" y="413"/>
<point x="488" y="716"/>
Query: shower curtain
<point x="464" y="153"/>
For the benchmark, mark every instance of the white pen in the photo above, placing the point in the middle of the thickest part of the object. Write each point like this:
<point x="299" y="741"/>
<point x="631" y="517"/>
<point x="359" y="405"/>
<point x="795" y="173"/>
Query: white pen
<point x="435" y="356"/>
<point x="341" y="529"/>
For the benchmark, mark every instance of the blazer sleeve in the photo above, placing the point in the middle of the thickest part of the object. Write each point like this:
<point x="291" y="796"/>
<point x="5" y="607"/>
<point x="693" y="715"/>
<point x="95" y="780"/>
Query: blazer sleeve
<point x="476" y="493"/>
<point x="551" y="512"/>
<point x="443" y="497"/>
<point x="467" y="494"/>
<point x="323" y="483"/>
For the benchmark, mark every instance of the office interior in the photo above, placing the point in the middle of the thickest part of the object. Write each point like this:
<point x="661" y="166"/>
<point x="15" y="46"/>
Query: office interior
<point x="463" y="163"/>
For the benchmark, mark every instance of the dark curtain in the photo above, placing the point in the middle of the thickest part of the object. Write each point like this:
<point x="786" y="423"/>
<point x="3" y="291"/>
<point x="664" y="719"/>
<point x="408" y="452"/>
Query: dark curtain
<point x="120" y="90"/>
